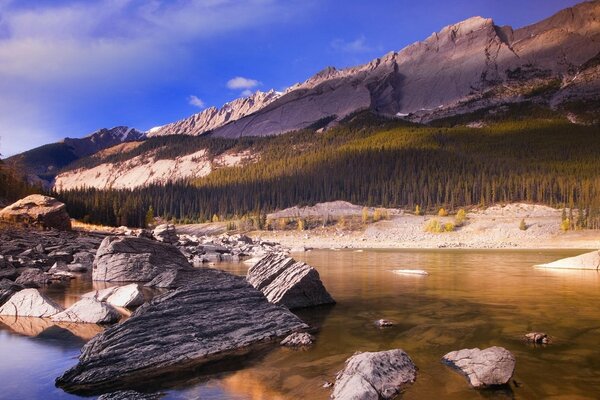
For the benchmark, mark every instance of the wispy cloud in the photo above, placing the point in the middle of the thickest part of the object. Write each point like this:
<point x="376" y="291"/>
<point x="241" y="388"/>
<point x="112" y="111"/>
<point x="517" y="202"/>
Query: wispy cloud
<point x="240" y="82"/>
<point x="247" y="93"/>
<point x="359" y="45"/>
<point x="195" y="101"/>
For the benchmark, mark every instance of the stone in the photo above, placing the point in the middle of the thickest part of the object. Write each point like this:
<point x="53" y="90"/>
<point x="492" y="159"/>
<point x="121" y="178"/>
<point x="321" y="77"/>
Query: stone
<point x="214" y="315"/>
<point x="7" y="269"/>
<point x="8" y="289"/>
<point x="132" y="259"/>
<point x="374" y="375"/>
<point x="488" y="367"/>
<point x="287" y="282"/>
<point x="33" y="278"/>
<point x="41" y="211"/>
<point x="589" y="260"/>
<point x="30" y="303"/>
<point x="78" y="268"/>
<point x="130" y="395"/>
<point x="119" y="296"/>
<point x="88" y="310"/>
<point x="298" y="339"/>
<point x="537" y="337"/>
<point x="165" y="233"/>
<point x="384" y="323"/>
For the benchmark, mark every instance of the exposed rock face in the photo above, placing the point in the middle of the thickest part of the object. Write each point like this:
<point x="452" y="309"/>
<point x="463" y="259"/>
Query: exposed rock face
<point x="488" y="367"/>
<point x="165" y="233"/>
<point x="88" y="310"/>
<point x="589" y="260"/>
<point x="8" y="289"/>
<point x="30" y="303"/>
<point x="287" y="282"/>
<point x="129" y="259"/>
<point x="380" y="375"/>
<point x="215" y="314"/>
<point x="32" y="278"/>
<point x="38" y="210"/>
<point x="298" y="339"/>
<point x="120" y="296"/>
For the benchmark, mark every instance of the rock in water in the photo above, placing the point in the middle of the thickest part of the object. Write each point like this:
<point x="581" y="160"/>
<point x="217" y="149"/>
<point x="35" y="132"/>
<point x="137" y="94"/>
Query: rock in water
<point x="165" y="233"/>
<point x="488" y="367"/>
<point x="589" y="260"/>
<point x="298" y="339"/>
<point x="211" y="317"/>
<point x="380" y="375"/>
<point x="130" y="259"/>
<point x="8" y="289"/>
<point x="33" y="278"/>
<point x="119" y="296"/>
<point x="38" y="210"/>
<point x="287" y="282"/>
<point x="537" y="337"/>
<point x="90" y="311"/>
<point x="30" y="303"/>
<point x="130" y="395"/>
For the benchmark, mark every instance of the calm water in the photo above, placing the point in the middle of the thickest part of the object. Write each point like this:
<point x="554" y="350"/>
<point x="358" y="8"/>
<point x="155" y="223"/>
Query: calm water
<point x="470" y="299"/>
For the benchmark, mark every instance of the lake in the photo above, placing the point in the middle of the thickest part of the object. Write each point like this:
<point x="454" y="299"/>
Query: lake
<point x="470" y="299"/>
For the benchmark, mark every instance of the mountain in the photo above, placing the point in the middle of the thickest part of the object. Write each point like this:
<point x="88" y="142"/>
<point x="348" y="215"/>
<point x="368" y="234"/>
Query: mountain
<point x="44" y="162"/>
<point x="464" y="67"/>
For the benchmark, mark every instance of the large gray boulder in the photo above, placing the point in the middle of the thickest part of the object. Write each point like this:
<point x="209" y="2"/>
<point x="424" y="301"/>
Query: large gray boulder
<point x="38" y="210"/>
<point x="589" y="260"/>
<point x="287" y="282"/>
<point x="132" y="259"/>
<point x="7" y="289"/>
<point x="380" y="375"/>
<point x="214" y="315"/>
<point x="488" y="367"/>
<point x="30" y="303"/>
<point x="90" y="311"/>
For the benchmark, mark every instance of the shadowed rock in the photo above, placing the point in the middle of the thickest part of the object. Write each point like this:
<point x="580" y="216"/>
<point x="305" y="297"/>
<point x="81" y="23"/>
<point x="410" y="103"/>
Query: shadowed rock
<point x="130" y="259"/>
<point x="38" y="210"/>
<point x="33" y="278"/>
<point x="380" y="375"/>
<point x="8" y="289"/>
<point x="214" y="315"/>
<point x="165" y="233"/>
<point x="488" y="367"/>
<point x="287" y="282"/>
<point x="30" y="303"/>
<point x="88" y="310"/>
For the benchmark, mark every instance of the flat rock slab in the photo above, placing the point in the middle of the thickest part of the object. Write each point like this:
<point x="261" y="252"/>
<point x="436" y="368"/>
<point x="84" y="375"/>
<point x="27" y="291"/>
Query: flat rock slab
<point x="589" y="260"/>
<point x="488" y="367"/>
<point x="287" y="282"/>
<point x="378" y="375"/>
<point x="215" y="315"/>
<point x="30" y="303"/>
<point x="89" y="310"/>
<point x="132" y="259"/>
<point x="38" y="210"/>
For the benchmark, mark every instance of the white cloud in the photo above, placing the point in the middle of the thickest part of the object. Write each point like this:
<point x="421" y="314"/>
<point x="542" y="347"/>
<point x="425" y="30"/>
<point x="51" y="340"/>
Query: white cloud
<point x="359" y="45"/>
<point x="240" y="82"/>
<point x="195" y="101"/>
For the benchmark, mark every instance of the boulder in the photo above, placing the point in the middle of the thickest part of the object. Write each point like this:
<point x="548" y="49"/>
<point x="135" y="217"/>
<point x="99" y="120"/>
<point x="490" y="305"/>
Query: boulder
<point x="119" y="296"/>
<point x="7" y="289"/>
<point x="214" y="315"/>
<point x="488" y="367"/>
<point x="287" y="282"/>
<point x="88" y="310"/>
<point x="132" y="259"/>
<point x="165" y="233"/>
<point x="33" y="278"/>
<point x="589" y="260"/>
<point x="379" y="375"/>
<point x="298" y="339"/>
<point x="129" y="395"/>
<point x="30" y="303"/>
<point x="42" y="211"/>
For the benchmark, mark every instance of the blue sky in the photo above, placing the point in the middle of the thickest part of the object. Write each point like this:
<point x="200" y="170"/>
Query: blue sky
<point x="68" y="68"/>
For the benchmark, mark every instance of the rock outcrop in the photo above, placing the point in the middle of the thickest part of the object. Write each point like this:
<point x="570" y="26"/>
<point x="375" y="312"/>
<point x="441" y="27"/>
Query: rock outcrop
<point x="132" y="259"/>
<point x="488" y="367"/>
<point x="380" y="375"/>
<point x="119" y="296"/>
<point x="7" y="289"/>
<point x="287" y="282"/>
<point x="88" y="310"/>
<point x="589" y="260"/>
<point x="210" y="317"/>
<point x="37" y="210"/>
<point x="30" y="303"/>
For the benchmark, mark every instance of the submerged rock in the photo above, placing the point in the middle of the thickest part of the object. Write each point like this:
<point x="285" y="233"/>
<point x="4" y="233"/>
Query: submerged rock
<point x="8" y="289"/>
<point x="537" y="337"/>
<point x="214" y="315"/>
<point x="38" y="210"/>
<point x="380" y="375"/>
<point x="130" y="259"/>
<point x="119" y="296"/>
<point x="384" y="323"/>
<point x="488" y="367"/>
<point x="589" y="260"/>
<point x="287" y="282"/>
<point x="298" y="339"/>
<point x="30" y="303"/>
<point x="88" y="310"/>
